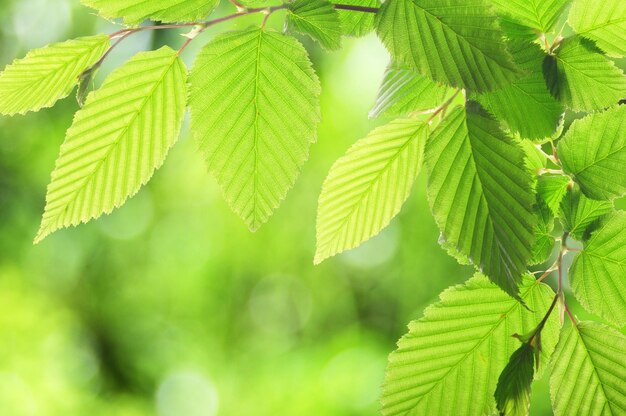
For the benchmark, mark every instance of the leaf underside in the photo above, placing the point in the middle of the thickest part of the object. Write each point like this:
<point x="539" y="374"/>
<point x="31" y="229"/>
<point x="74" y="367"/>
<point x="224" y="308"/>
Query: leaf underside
<point x="136" y="11"/>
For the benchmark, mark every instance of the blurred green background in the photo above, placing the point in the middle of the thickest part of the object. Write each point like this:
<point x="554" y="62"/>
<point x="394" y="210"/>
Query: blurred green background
<point x="169" y="306"/>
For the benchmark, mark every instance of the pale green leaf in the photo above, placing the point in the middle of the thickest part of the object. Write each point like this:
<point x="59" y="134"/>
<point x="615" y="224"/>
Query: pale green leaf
<point x="118" y="139"/>
<point x="579" y="213"/>
<point x="604" y="22"/>
<point x="513" y="391"/>
<point x="404" y="91"/>
<point x="582" y="78"/>
<point x="481" y="195"/>
<point x="254" y="112"/>
<point x="48" y="74"/>
<point x="535" y="160"/>
<point x="551" y="189"/>
<point x="317" y="19"/>
<point x="593" y="151"/>
<point x="589" y="371"/>
<point x="455" y="42"/>
<point x="526" y="105"/>
<point x="540" y="15"/>
<point x="136" y="11"/>
<point x="357" y="23"/>
<point x="544" y="241"/>
<point x="449" y="362"/>
<point x="598" y="273"/>
<point x="367" y="187"/>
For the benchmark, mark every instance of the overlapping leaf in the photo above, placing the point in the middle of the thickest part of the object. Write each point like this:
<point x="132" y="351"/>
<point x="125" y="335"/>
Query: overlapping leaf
<point x="540" y="15"/>
<point x="604" y="22"/>
<point x="455" y="42"/>
<point x="136" y="11"/>
<point x="589" y="371"/>
<point x="48" y="74"/>
<point x="367" y="187"/>
<point x="255" y="109"/>
<point x="357" y="23"/>
<point x="551" y="189"/>
<point x="481" y="195"/>
<point x="450" y="360"/>
<point x="317" y="19"/>
<point x="514" y="385"/>
<point x="579" y="213"/>
<point x="118" y="139"/>
<point x="594" y="151"/>
<point x="582" y="78"/>
<point x="598" y="273"/>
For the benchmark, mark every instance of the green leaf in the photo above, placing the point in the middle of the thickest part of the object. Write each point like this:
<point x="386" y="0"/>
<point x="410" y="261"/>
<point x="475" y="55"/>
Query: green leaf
<point x="455" y="42"/>
<point x="254" y="111"/>
<point x="605" y="23"/>
<point x="118" y="139"/>
<point x="594" y="151"/>
<point x="356" y="23"/>
<point x="48" y="74"/>
<point x="535" y="160"/>
<point x="317" y="19"/>
<point x="589" y="371"/>
<point x="403" y="91"/>
<point x="514" y="385"/>
<point x="544" y="241"/>
<point x="526" y="105"/>
<point x="579" y="213"/>
<point x="481" y="195"/>
<point x="582" y="78"/>
<point x="449" y="362"/>
<point x="170" y="11"/>
<point x="367" y="187"/>
<point x="598" y="273"/>
<point x="551" y="189"/>
<point x="540" y="15"/>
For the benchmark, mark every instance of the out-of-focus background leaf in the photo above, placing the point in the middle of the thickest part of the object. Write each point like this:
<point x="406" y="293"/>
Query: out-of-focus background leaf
<point x="169" y="306"/>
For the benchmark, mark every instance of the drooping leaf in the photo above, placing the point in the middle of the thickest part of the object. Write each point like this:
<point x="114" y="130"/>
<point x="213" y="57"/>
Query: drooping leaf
<point x="551" y="189"/>
<point x="317" y="19"/>
<point x="254" y="111"/>
<point x="579" y="213"/>
<point x="357" y="23"/>
<point x="598" y="273"/>
<point x="367" y="187"/>
<point x="594" y="151"/>
<point x="589" y="371"/>
<point x="526" y="105"/>
<point x="481" y="195"/>
<point x="404" y="91"/>
<point x="514" y="384"/>
<point x="455" y="42"/>
<point x="449" y="361"/>
<point x="540" y="15"/>
<point x="604" y="22"/>
<point x="582" y="78"/>
<point x="48" y="74"/>
<point x="118" y="139"/>
<point x="170" y="11"/>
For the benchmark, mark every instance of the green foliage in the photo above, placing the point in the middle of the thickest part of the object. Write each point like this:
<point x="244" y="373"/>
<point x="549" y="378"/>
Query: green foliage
<point x="579" y="213"/>
<point x="539" y="15"/>
<point x="597" y="273"/>
<point x="458" y="355"/>
<point x="605" y="25"/>
<point x="254" y="112"/>
<point x="481" y="194"/>
<point x="136" y="11"/>
<point x="589" y="371"/>
<point x="356" y="23"/>
<point x="48" y="74"/>
<point x="513" y="390"/>
<point x="318" y="19"/>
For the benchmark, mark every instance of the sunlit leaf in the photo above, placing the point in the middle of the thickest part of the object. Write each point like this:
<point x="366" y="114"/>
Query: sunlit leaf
<point x="136" y="11"/>
<point x="604" y="22"/>
<point x="317" y="19"/>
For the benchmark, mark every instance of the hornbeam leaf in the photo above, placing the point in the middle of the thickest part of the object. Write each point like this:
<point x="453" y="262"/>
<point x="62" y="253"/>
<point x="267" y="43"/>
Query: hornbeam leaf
<point x="367" y="187"/>
<point x="551" y="189"/>
<point x="540" y="15"/>
<point x="544" y="241"/>
<point x="317" y="19"/>
<point x="605" y="23"/>
<point x="118" y="139"/>
<point x="582" y="78"/>
<point x="594" y="151"/>
<point x="48" y="74"/>
<point x="404" y="91"/>
<point x="598" y="273"/>
<point x="514" y="385"/>
<point x="254" y="111"/>
<point x="455" y="42"/>
<point x="449" y="361"/>
<point x="356" y="23"/>
<point x="588" y="371"/>
<point x="579" y="213"/>
<point x="136" y="11"/>
<point x="481" y="195"/>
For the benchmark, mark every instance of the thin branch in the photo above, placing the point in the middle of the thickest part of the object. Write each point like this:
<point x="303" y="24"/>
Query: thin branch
<point x="443" y="106"/>
<point x="357" y="8"/>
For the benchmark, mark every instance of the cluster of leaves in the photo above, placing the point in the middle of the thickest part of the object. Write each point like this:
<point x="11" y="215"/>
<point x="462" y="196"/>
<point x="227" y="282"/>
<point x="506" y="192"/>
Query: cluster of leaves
<point x="477" y="93"/>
